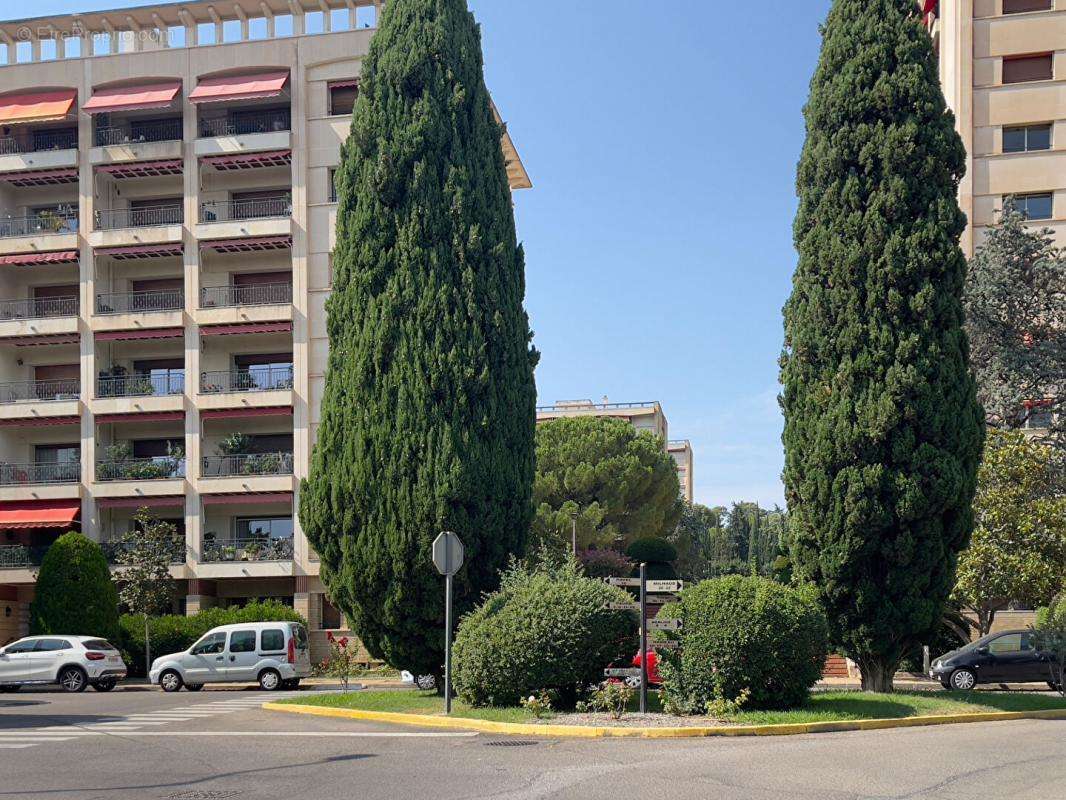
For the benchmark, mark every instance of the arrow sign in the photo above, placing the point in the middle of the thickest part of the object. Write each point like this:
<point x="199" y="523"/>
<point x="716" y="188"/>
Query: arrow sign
<point x="666" y="645"/>
<point x="622" y="672"/>
<point x="623" y="606"/>
<point x="658" y="624"/>
<point x="665" y="586"/>
<point x="624" y="581"/>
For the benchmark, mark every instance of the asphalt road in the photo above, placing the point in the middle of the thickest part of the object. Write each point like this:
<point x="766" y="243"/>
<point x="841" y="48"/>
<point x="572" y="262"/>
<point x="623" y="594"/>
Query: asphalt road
<point x="140" y="743"/>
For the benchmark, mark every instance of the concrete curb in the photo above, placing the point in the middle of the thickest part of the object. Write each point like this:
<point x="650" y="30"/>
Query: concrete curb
<point x="590" y="732"/>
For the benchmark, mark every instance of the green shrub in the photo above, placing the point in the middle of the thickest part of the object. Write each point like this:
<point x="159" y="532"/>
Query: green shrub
<point x="75" y="594"/>
<point x="546" y="628"/>
<point x="744" y="633"/>
<point x="650" y="549"/>
<point x="172" y="633"/>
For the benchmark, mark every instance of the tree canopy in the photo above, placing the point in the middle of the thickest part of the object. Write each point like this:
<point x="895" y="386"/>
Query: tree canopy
<point x="74" y="594"/>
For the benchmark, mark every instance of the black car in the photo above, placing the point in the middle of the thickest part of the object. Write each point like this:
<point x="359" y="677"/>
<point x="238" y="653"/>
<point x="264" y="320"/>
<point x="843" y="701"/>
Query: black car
<point x="1007" y="657"/>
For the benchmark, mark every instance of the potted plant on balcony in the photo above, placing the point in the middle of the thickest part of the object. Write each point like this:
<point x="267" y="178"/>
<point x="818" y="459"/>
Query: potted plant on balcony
<point x="229" y="552"/>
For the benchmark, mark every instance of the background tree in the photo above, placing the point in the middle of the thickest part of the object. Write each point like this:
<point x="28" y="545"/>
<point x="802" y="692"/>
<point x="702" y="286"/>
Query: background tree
<point x="74" y="594"/>
<point x="1049" y="634"/>
<point x="700" y="541"/>
<point x="882" y="427"/>
<point x="145" y="586"/>
<point x="1015" y="315"/>
<point x="429" y="407"/>
<point x="621" y="483"/>
<point x="1018" y="550"/>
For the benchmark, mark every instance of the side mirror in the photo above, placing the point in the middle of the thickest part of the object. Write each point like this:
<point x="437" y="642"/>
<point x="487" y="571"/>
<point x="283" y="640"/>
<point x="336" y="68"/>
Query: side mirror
<point x="983" y="650"/>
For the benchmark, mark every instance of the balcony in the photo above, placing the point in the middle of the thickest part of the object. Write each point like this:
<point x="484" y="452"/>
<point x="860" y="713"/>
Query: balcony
<point x="247" y="464"/>
<point x="167" y="130"/>
<point x="254" y="216"/>
<point x="51" y="230"/>
<point x="251" y="295"/>
<point x="21" y="556"/>
<point x="112" y="549"/>
<point x="156" y="384"/>
<point x="110" y="303"/>
<point x="144" y="217"/>
<point x="39" y="308"/>
<point x="272" y="121"/>
<point x="149" y="225"/>
<point x="256" y="547"/>
<point x="39" y="473"/>
<point x="39" y="150"/>
<point x="42" y="402"/>
<point x="256" y="379"/>
<point x="155" y="468"/>
<point x="39" y="391"/>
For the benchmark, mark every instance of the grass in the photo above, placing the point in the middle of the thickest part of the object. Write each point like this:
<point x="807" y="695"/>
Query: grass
<point x="822" y="707"/>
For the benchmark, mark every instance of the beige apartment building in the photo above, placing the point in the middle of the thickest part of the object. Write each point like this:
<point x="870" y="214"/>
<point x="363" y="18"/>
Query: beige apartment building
<point x="166" y="221"/>
<point x="647" y="416"/>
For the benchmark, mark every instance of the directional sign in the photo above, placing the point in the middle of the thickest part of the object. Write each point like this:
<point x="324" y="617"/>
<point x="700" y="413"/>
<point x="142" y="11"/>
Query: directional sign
<point x="623" y="606"/>
<point x="666" y="645"/>
<point x="622" y="672"/>
<point x="624" y="581"/>
<point x="665" y="586"/>
<point x="447" y="553"/>
<point x="658" y="624"/>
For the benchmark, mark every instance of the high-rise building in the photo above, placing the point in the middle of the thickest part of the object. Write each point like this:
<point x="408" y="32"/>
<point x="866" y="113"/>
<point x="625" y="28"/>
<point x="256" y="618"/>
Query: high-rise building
<point x="166" y="221"/>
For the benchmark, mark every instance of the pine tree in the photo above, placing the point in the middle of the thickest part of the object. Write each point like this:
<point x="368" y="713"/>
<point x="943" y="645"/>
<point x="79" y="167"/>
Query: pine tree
<point x="429" y="408"/>
<point x="883" y="431"/>
<point x="74" y="594"/>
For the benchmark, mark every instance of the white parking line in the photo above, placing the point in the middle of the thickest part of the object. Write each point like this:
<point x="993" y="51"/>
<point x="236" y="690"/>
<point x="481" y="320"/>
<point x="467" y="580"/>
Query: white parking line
<point x="14" y="746"/>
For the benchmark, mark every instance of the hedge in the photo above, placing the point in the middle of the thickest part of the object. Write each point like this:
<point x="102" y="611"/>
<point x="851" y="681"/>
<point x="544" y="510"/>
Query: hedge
<point x="74" y="593"/>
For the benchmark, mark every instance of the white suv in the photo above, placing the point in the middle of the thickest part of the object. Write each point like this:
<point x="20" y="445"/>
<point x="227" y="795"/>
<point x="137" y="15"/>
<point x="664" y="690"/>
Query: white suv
<point x="73" y="662"/>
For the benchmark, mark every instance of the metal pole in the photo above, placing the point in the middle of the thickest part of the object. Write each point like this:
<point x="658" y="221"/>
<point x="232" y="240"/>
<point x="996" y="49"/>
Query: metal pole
<point x="448" y="644"/>
<point x="573" y="533"/>
<point x="643" y="639"/>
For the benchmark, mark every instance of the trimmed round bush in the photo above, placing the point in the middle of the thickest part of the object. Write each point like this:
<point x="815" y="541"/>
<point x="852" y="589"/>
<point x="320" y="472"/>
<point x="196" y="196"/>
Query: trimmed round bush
<point x="546" y="628"/>
<point x="75" y="594"/>
<point x="744" y="633"/>
<point x="651" y="549"/>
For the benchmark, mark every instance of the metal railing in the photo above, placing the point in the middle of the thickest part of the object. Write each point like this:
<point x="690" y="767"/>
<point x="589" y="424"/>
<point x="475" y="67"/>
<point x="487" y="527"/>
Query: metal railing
<point x="250" y="208"/>
<point x="141" y="384"/>
<point x="39" y="308"/>
<point x="141" y="469"/>
<point x="19" y="556"/>
<point x="39" y="391"/>
<point x="247" y="464"/>
<point x="247" y="548"/>
<point x="266" y="122"/>
<point x="115" y="218"/>
<point x="114" y="548"/>
<point x="589" y="406"/>
<point x="136" y="302"/>
<point x="169" y="130"/>
<point x="39" y="142"/>
<point x="37" y="224"/>
<point x="254" y="379"/>
<point x="39" y="473"/>
<point x="263" y="294"/>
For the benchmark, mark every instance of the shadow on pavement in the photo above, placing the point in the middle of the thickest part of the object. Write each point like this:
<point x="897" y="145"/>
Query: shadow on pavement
<point x="13" y="722"/>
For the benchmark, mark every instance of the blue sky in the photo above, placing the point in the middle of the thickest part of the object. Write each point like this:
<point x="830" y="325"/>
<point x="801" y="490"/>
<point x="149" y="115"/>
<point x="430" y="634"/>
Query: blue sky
<point x="662" y="140"/>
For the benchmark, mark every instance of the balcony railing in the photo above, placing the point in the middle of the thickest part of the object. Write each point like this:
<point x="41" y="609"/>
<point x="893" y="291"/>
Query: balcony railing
<point x="247" y="548"/>
<point x="263" y="294"/>
<point x="20" y="556"/>
<point x="39" y="473"/>
<point x="169" y="130"/>
<point x="114" y="548"/>
<point x="247" y="464"/>
<point x="266" y="122"/>
<point x="39" y="142"/>
<point x="38" y="224"/>
<point x="251" y="208"/>
<point x="141" y="384"/>
<point x="139" y="302"/>
<point x="39" y="308"/>
<point x="255" y="379"/>
<point x="141" y="469"/>
<point x="40" y="391"/>
<point x="149" y="216"/>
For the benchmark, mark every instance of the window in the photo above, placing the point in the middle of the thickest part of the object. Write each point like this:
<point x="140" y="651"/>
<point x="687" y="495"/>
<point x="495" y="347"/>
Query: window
<point x="264" y="527"/>
<point x="242" y="642"/>
<point x="57" y="453"/>
<point x="1008" y="643"/>
<point x="210" y="644"/>
<point x="342" y="97"/>
<point x="301" y="636"/>
<point x="21" y="647"/>
<point x="1027" y="138"/>
<point x="333" y="184"/>
<point x="1034" y="206"/>
<point x="1021" y="6"/>
<point x="98" y="644"/>
<point x="273" y="641"/>
<point x="1022" y="69"/>
<point x="51" y="645"/>
<point x="1038" y="417"/>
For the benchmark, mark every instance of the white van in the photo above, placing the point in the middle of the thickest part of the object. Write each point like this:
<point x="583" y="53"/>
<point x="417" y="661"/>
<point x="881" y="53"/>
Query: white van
<point x="276" y="655"/>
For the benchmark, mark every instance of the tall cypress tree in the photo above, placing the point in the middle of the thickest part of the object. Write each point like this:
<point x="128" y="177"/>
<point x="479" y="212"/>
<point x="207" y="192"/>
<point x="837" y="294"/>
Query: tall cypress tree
<point x="883" y="431"/>
<point x="429" y="409"/>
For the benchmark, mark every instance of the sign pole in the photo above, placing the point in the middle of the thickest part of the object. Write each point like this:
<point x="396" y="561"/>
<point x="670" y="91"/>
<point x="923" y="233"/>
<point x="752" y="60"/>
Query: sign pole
<point x="643" y="638"/>
<point x="448" y="644"/>
<point x="448" y="555"/>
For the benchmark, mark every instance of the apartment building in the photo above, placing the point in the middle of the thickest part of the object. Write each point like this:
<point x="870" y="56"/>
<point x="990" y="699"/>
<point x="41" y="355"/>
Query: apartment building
<point x="646" y="416"/>
<point x="166" y="221"/>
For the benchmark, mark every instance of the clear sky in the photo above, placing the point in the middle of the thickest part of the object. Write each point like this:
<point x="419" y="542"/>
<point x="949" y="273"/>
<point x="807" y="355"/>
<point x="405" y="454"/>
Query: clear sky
<point x="662" y="140"/>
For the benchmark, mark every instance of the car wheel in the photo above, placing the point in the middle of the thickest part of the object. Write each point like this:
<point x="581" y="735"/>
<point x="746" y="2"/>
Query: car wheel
<point x="426" y="682"/>
<point x="193" y="687"/>
<point x="946" y="684"/>
<point x="72" y="679"/>
<point x="7" y="689"/>
<point x="963" y="680"/>
<point x="105" y="686"/>
<point x="170" y="681"/>
<point x="269" y="680"/>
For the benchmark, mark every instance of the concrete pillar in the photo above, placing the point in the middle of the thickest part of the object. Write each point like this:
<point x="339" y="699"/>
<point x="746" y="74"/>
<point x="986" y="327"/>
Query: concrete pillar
<point x="202" y="594"/>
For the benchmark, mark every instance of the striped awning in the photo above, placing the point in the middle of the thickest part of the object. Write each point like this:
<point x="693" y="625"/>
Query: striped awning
<point x="140" y="333"/>
<point x="239" y="87"/>
<point x="239" y="161"/>
<point x="39" y="513"/>
<point x="250" y="244"/>
<point x="41" y="177"/>
<point x="45" y="339"/>
<point x="144" y="169"/>
<point x="347" y="83"/>
<point x="141" y="251"/>
<point x="36" y="106"/>
<point x="238" y="413"/>
<point x="246" y="497"/>
<point x="33" y="259"/>
<point x="149" y="416"/>
<point x="133" y="98"/>
<point x="175" y="501"/>
<point x="38" y="422"/>
<point x="246" y="328"/>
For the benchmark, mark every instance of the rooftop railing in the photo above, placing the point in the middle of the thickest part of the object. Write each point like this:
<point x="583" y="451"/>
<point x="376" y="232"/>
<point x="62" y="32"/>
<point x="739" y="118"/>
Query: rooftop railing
<point x="265" y="122"/>
<point x="140" y="302"/>
<point x="36" y="473"/>
<point x="578" y="406"/>
<point x="250" y="208"/>
<point x="156" y="384"/>
<point x="37" y="224"/>
<point x="39" y="308"/>
<point x="39" y="142"/>
<point x="40" y="391"/>
<point x="254" y="379"/>
<point x="263" y="294"/>
<point x="247" y="548"/>
<point x="168" y="130"/>
<point x="236" y="464"/>
<point x="148" y="216"/>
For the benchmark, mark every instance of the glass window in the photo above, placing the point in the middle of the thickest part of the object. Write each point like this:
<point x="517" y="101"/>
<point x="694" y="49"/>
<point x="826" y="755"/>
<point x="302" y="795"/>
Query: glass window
<point x="1039" y="417"/>
<point x="301" y="636"/>
<point x="242" y="642"/>
<point x="1021" y="6"/>
<point x="333" y="184"/>
<point x="273" y="641"/>
<point x="1008" y="643"/>
<point x="98" y="644"/>
<point x="51" y="645"/>
<point x="1035" y="206"/>
<point x="1025" y="69"/>
<point x="21" y="647"/>
<point x="212" y="643"/>
<point x="342" y="97"/>
<point x="1027" y="138"/>
<point x="264" y="527"/>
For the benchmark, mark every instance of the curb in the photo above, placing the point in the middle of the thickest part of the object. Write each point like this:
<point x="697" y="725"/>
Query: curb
<point x="601" y="732"/>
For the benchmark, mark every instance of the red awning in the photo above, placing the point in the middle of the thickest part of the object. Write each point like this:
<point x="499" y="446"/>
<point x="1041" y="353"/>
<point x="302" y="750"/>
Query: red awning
<point x="248" y="245"/>
<point x="144" y="169"/>
<point x="247" y="327"/>
<point x="239" y="87"/>
<point x="45" y="339"/>
<point x="237" y="413"/>
<point x="270" y="158"/>
<point x="39" y="513"/>
<point x="36" y="106"/>
<point x="41" y="177"/>
<point x="246" y="497"/>
<point x="150" y="416"/>
<point x="133" y="98"/>
<point x="177" y="501"/>
<point x="350" y="83"/>
<point x="32" y="259"/>
<point x="38" y="422"/>
<point x="141" y="251"/>
<point x="140" y="333"/>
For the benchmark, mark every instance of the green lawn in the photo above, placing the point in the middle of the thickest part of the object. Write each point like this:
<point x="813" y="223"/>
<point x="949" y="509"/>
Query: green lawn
<point x="822" y="707"/>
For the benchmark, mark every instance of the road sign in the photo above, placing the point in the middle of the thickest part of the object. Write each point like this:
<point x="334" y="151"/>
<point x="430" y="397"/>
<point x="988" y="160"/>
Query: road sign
<point x="624" y="581"/>
<point x="623" y="606"/>
<point x="447" y="553"/>
<point x="662" y="624"/>
<point x="665" y="586"/>
<point x="622" y="672"/>
<point x="671" y="645"/>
